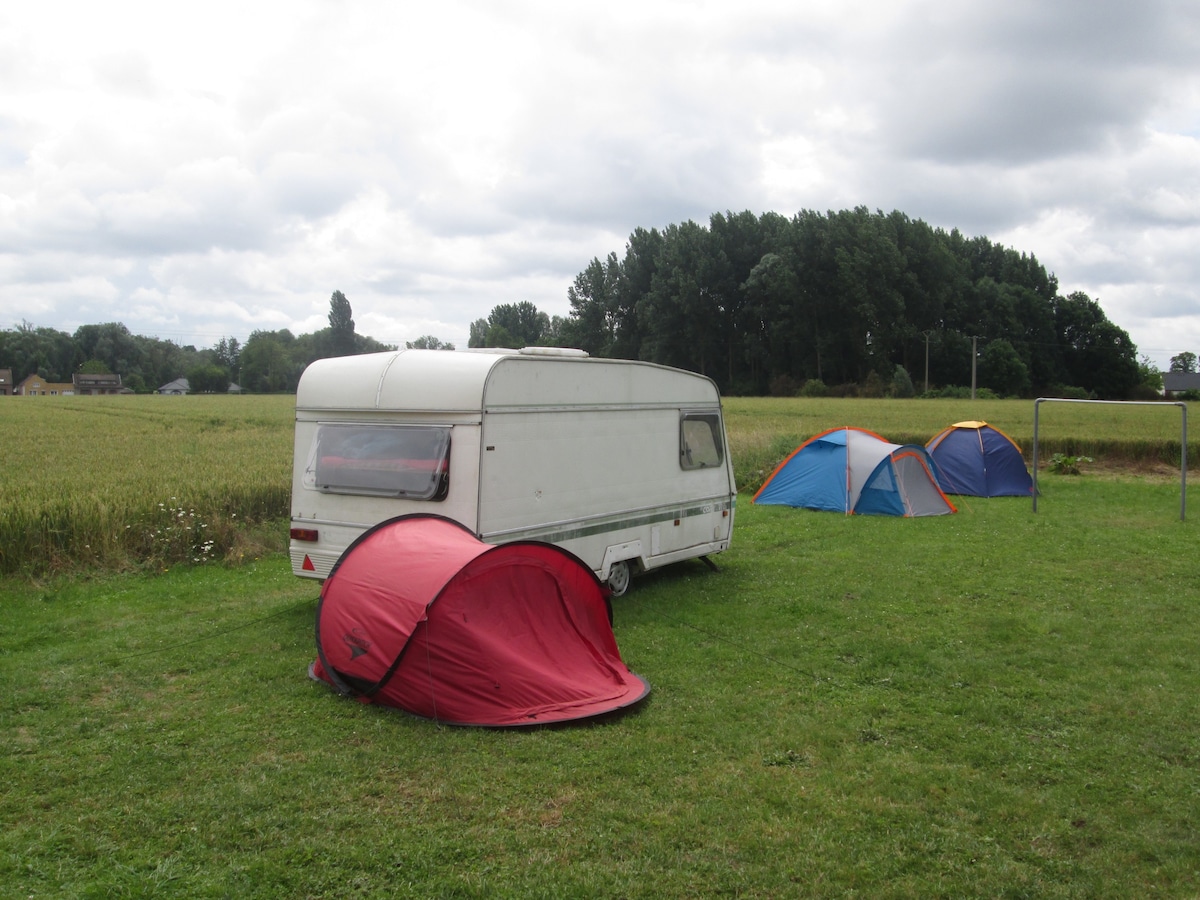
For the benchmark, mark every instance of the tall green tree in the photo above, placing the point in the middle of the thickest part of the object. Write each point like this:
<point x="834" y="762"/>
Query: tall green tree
<point x="738" y="242"/>
<point x="268" y="364"/>
<point x="679" y="318"/>
<point x="522" y="322"/>
<point x="341" y="326"/>
<point x="513" y="325"/>
<point x="555" y="334"/>
<point x="428" y="342"/>
<point x="1002" y="370"/>
<point x="814" y="316"/>
<point x="113" y="344"/>
<point x="869" y="266"/>
<point x="226" y="353"/>
<point x="775" y="334"/>
<point x="594" y="302"/>
<point x="635" y="279"/>
<point x="478" y="333"/>
<point x="163" y="362"/>
<point x="1150" y="381"/>
<point x="1183" y="362"/>
<point x="1097" y="355"/>
<point x="208" y="379"/>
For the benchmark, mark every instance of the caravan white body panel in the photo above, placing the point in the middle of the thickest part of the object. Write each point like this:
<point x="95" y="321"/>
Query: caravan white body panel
<point x="614" y="460"/>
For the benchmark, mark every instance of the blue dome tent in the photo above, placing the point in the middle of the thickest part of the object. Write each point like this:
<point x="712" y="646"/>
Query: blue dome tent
<point x="855" y="471"/>
<point x="975" y="459"/>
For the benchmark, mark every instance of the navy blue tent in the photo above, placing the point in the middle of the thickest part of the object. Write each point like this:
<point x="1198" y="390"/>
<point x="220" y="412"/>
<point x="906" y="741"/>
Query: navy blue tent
<point x="976" y="459"/>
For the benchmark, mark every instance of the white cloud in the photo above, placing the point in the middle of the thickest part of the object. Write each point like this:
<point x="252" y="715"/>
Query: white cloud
<point x="206" y="171"/>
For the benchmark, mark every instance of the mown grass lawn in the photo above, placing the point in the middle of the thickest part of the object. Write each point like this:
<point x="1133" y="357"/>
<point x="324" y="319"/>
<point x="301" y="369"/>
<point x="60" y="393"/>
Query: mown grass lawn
<point x="994" y="703"/>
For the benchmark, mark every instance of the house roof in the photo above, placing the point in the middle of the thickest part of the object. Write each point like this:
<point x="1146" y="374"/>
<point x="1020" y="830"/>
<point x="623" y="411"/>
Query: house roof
<point x="183" y="386"/>
<point x="1181" y="381"/>
<point x="95" y="379"/>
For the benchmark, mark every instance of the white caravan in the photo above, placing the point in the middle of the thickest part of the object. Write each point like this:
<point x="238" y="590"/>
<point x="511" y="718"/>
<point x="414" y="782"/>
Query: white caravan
<point x="623" y="463"/>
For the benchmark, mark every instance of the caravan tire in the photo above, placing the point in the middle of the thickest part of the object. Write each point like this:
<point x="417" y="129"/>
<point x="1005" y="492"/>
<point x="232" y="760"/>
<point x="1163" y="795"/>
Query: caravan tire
<point x="618" y="578"/>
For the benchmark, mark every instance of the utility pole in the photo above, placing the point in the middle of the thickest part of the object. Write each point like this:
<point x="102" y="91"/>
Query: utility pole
<point x="927" y="362"/>
<point x="974" y="356"/>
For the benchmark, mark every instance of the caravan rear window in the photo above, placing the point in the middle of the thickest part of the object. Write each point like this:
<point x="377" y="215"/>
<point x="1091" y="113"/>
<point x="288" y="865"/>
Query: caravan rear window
<point x="410" y="461"/>
<point x="700" y="441"/>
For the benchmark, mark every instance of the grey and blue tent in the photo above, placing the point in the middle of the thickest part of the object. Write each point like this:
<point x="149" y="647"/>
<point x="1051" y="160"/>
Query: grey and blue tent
<point x="855" y="471"/>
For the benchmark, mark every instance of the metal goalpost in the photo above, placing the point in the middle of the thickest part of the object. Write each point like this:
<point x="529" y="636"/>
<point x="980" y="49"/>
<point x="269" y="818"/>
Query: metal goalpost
<point x="1182" y="441"/>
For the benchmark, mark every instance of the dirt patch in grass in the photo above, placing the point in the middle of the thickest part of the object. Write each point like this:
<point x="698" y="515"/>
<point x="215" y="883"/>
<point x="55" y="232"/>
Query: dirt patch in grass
<point x="1116" y="469"/>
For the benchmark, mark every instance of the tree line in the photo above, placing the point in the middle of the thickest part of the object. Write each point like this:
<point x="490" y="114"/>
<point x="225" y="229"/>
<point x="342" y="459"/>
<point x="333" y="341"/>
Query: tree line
<point x="848" y="302"/>
<point x="843" y="303"/>
<point x="268" y="362"/>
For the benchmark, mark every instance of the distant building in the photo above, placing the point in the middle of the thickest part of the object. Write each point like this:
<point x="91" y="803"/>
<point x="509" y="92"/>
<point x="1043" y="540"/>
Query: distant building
<point x="36" y="386"/>
<point x="98" y="384"/>
<point x="182" y="386"/>
<point x="1180" y="381"/>
<point x="6" y="383"/>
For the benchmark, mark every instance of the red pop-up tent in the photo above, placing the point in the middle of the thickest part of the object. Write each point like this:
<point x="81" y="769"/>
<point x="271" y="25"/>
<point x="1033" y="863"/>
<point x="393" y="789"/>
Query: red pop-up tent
<point x="419" y="614"/>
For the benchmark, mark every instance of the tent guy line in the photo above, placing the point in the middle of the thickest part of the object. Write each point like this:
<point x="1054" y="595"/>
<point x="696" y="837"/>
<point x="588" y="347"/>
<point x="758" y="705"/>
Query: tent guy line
<point x="215" y="634"/>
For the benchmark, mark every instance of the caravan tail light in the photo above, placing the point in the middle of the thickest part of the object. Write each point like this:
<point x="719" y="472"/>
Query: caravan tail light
<point x="304" y="534"/>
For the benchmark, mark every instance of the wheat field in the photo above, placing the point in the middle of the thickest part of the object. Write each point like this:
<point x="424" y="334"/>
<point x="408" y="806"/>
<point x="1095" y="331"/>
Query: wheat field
<point x="137" y="481"/>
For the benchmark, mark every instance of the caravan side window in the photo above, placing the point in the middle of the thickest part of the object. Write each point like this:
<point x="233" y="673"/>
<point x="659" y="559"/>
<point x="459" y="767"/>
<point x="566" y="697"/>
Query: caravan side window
<point x="700" y="441"/>
<point x="409" y="461"/>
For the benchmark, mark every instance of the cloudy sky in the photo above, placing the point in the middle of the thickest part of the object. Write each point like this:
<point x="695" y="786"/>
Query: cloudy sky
<point x="200" y="171"/>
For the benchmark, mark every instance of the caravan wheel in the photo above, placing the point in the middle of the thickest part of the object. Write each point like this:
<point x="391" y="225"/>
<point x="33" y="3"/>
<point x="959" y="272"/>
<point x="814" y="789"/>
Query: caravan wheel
<point x="618" y="578"/>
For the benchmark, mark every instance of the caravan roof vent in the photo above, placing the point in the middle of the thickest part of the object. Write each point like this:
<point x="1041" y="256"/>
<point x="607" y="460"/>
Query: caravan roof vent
<point x="552" y="351"/>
